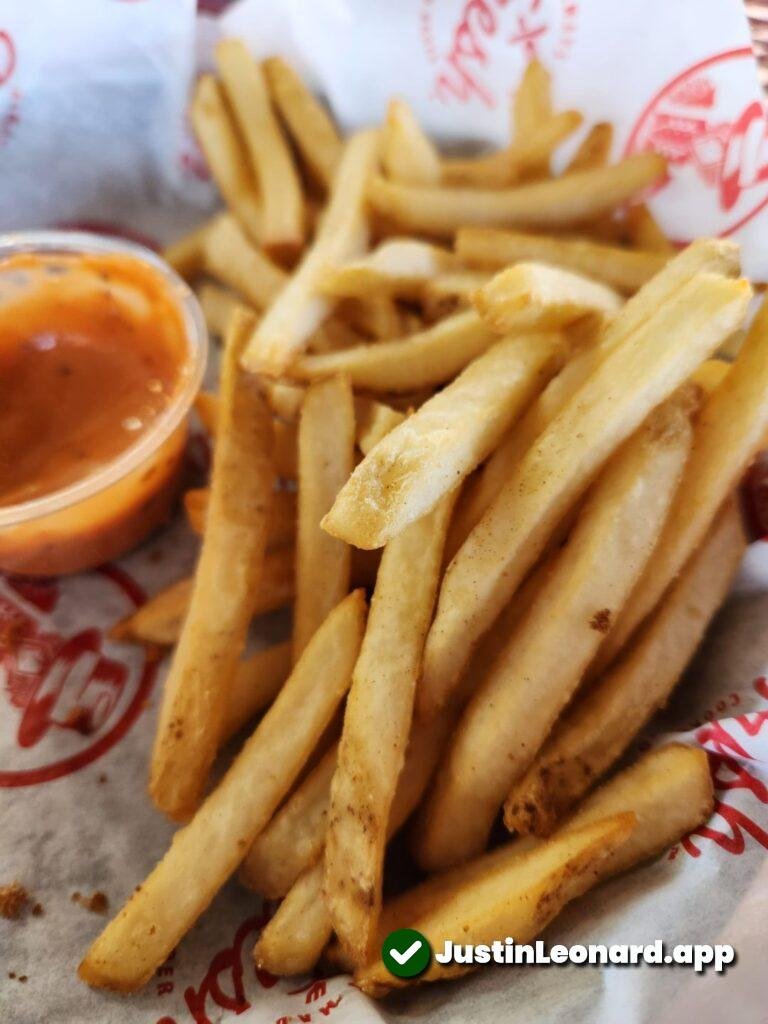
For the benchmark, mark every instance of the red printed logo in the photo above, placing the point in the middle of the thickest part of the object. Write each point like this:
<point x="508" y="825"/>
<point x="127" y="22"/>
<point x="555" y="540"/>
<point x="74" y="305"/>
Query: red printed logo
<point x="10" y="96"/>
<point x="709" y="138"/>
<point x="70" y="697"/>
<point x="503" y="34"/>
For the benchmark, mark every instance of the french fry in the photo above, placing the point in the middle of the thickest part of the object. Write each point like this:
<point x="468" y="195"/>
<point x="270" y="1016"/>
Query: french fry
<point x="405" y="474"/>
<point x="623" y="269"/>
<point x="517" y="896"/>
<point x="644" y="232"/>
<point x="430" y="357"/>
<point x="649" y="363"/>
<point x="531" y="101"/>
<point x="218" y="304"/>
<point x="213" y="634"/>
<point x="373" y="421"/>
<point x="602" y="723"/>
<point x="333" y="334"/>
<point x="528" y="158"/>
<point x="326" y="458"/>
<point x="185" y="255"/>
<point x="375" y="317"/>
<point x="561" y="202"/>
<point x="225" y="155"/>
<point x="534" y="296"/>
<point x="159" y="621"/>
<point x="397" y="266"/>
<point x="594" y="149"/>
<point x="205" y="853"/>
<point x="282" y="201"/>
<point x="284" y="399"/>
<point x="255" y="684"/>
<point x="207" y="408"/>
<point x="503" y="727"/>
<point x="295" y="837"/>
<point x="729" y="431"/>
<point x="234" y="260"/>
<point x="407" y="154"/>
<point x="341" y="236"/>
<point x="445" y="292"/>
<point x="281" y="529"/>
<point x="309" y="125"/>
<point x="377" y="722"/>
<point x="669" y="790"/>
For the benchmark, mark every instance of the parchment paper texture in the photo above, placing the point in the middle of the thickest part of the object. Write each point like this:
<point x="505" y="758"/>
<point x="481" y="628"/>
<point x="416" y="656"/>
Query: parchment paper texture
<point x="93" y="132"/>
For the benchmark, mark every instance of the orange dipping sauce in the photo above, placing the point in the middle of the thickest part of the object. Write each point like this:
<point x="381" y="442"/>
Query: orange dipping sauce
<point x="95" y="360"/>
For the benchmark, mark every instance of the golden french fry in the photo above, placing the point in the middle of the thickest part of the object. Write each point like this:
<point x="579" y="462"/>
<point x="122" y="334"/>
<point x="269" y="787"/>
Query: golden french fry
<point x="396" y="266"/>
<point x="729" y="431"/>
<point x="213" y="634"/>
<point x="218" y="304"/>
<point x="281" y="529"/>
<point x="377" y="722"/>
<point x="710" y="374"/>
<point x="342" y="235"/>
<point x="309" y="125"/>
<point x="196" y="508"/>
<point x="374" y="317"/>
<point x="205" y="853"/>
<point x="295" y="837"/>
<point x="234" y="260"/>
<point x="207" y="408"/>
<point x="186" y="254"/>
<point x="374" y="420"/>
<point x="284" y="399"/>
<point x="504" y="725"/>
<point x="407" y="154"/>
<point x="255" y="684"/>
<point x="529" y="157"/>
<point x="623" y="269"/>
<point x="561" y="202"/>
<point x="594" y="149"/>
<point x="407" y="472"/>
<point x="644" y="232"/>
<point x="332" y="335"/>
<point x="326" y="458"/>
<point x="430" y="357"/>
<point x="648" y="364"/>
<point x="225" y="154"/>
<point x="282" y="201"/>
<point x="601" y="724"/>
<point x="517" y="895"/>
<point x="534" y="296"/>
<point x="531" y="101"/>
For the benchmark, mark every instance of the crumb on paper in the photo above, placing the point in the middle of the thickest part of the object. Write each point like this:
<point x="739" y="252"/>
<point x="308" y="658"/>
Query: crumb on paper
<point x="97" y="902"/>
<point x="102" y="779"/>
<point x="13" y="899"/>
<point x="601" y="621"/>
<point x="38" y="910"/>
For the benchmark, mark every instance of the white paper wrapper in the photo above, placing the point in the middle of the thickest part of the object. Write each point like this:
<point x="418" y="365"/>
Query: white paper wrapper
<point x="92" y="129"/>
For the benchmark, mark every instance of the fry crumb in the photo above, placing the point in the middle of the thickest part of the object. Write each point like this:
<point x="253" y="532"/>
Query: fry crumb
<point x="97" y="903"/>
<point x="13" y="899"/>
<point x="601" y="621"/>
<point x="38" y="910"/>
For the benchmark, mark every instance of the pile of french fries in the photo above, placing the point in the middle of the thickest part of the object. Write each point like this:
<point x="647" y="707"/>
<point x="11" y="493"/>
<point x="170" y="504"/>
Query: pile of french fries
<point x="473" y="426"/>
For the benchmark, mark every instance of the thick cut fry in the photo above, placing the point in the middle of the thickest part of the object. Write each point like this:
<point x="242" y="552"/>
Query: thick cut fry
<point x="295" y="837"/>
<point x="528" y="158"/>
<point x="564" y="201"/>
<point x="643" y="370"/>
<point x="729" y="431"/>
<point x="282" y="201"/>
<point x="405" y="475"/>
<point x="281" y="529"/>
<point x="517" y="895"/>
<point x="213" y="635"/>
<point x="226" y="155"/>
<point x="397" y="266"/>
<point x="644" y="232"/>
<point x="430" y="357"/>
<point x="326" y="458"/>
<point x="531" y="102"/>
<point x="407" y="154"/>
<point x="205" y="853"/>
<point x="534" y="296"/>
<point x="373" y="421"/>
<point x="669" y="790"/>
<point x="601" y="724"/>
<point x="377" y="722"/>
<point x="623" y="269"/>
<point x="218" y="304"/>
<point x="531" y="680"/>
<point x="234" y="260"/>
<point x="594" y="149"/>
<point x="186" y="254"/>
<point x="342" y="235"/>
<point x="255" y="684"/>
<point x="309" y="125"/>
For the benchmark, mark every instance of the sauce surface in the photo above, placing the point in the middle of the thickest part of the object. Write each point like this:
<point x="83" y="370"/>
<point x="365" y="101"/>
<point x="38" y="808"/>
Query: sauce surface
<point x="92" y="351"/>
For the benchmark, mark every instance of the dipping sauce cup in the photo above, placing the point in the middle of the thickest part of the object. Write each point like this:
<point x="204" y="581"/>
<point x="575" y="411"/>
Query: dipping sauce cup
<point x="102" y="351"/>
